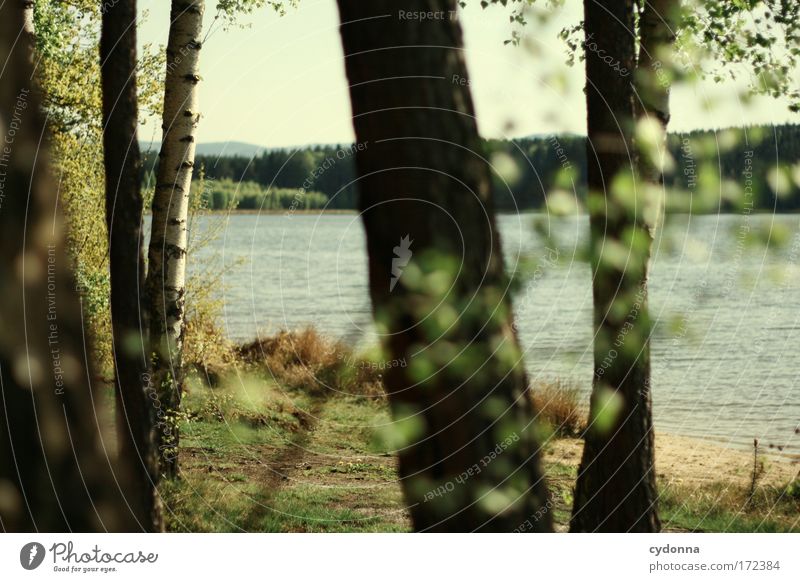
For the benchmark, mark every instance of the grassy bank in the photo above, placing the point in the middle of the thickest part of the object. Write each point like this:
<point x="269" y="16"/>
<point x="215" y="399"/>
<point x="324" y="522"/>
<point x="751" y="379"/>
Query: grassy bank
<point x="307" y="465"/>
<point x="265" y="448"/>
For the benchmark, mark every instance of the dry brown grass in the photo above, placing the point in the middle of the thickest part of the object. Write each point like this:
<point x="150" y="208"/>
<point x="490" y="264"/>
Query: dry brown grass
<point x="560" y="404"/>
<point x="306" y="360"/>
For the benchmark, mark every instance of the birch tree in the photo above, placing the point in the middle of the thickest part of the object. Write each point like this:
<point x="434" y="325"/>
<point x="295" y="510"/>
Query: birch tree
<point x="655" y="65"/>
<point x="27" y="15"/>
<point x="167" y="253"/>
<point x="166" y="277"/>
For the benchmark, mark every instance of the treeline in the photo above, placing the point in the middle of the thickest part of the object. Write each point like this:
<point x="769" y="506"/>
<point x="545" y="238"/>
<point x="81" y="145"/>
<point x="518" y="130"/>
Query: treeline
<point x="322" y="174"/>
<point x="713" y="170"/>
<point x="226" y="194"/>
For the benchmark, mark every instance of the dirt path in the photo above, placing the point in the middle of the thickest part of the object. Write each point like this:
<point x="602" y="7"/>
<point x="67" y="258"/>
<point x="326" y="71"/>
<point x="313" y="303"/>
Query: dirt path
<point x="328" y="464"/>
<point x="358" y="479"/>
<point x="279" y="463"/>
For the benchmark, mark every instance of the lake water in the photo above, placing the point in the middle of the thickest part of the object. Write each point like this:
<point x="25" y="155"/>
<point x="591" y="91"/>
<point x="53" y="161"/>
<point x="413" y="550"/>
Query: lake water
<point x="727" y="313"/>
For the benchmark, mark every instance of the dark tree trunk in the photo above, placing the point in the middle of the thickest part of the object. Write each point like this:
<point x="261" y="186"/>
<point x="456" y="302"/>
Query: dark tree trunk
<point x="55" y="474"/>
<point x="135" y="395"/>
<point x="469" y="457"/>
<point x="657" y="30"/>
<point x="616" y="488"/>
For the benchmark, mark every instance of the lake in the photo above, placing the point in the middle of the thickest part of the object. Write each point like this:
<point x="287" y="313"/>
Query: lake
<point x="727" y="312"/>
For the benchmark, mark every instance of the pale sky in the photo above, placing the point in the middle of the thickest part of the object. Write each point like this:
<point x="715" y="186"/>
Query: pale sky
<point x="281" y="81"/>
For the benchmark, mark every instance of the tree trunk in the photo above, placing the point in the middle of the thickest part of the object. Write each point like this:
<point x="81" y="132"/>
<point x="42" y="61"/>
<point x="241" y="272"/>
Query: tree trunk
<point x="616" y="490"/>
<point x="469" y="456"/>
<point x="166" y="277"/>
<point x="657" y="32"/>
<point x="134" y="396"/>
<point x="27" y="16"/>
<point x="55" y="472"/>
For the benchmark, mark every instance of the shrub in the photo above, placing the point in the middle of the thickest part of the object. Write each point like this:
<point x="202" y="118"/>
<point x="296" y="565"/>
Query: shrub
<point x="793" y="489"/>
<point x="205" y="348"/>
<point x="306" y="360"/>
<point x="94" y="288"/>
<point x="559" y="404"/>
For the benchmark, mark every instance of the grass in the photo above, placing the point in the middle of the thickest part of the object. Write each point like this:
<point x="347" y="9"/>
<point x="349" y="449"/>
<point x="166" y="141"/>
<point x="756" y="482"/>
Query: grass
<point x="721" y="507"/>
<point x="711" y="507"/>
<point x="258" y="456"/>
<point x="270" y="447"/>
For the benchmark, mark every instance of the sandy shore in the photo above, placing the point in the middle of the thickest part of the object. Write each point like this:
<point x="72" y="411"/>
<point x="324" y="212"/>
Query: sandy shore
<point x="694" y="462"/>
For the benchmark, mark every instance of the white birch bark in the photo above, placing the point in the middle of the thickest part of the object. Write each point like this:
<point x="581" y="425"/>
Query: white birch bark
<point x="166" y="278"/>
<point x="27" y="15"/>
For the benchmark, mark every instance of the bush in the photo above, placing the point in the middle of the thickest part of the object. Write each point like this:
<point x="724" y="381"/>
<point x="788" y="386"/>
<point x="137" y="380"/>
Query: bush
<point x="305" y="360"/>
<point x="205" y="347"/>
<point x="559" y="404"/>
<point x="793" y="489"/>
<point x="94" y="286"/>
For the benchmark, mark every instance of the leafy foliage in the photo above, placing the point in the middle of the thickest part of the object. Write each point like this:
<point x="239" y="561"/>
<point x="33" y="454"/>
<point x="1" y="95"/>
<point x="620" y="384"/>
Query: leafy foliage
<point x="229" y="12"/>
<point x="68" y="68"/>
<point x="718" y="39"/>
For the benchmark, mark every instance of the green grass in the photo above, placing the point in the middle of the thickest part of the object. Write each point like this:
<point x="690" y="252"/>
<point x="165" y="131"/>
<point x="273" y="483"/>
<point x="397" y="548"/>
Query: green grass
<point x="354" y="424"/>
<point x="259" y="457"/>
<point x="718" y="507"/>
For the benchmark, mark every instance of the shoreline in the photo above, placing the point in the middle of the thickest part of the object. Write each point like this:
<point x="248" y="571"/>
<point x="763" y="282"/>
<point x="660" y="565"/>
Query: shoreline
<point x="274" y="211"/>
<point x="787" y="454"/>
<point x="693" y="461"/>
<point x="525" y="212"/>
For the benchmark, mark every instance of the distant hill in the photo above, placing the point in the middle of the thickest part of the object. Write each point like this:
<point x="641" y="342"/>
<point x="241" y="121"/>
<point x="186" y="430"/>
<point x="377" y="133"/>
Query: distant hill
<point x="216" y="148"/>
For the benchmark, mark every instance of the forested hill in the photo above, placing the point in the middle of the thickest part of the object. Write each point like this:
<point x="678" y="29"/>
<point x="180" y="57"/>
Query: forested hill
<point x="701" y="157"/>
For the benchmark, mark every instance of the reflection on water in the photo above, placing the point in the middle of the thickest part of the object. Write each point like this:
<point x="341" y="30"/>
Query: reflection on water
<point x="726" y="310"/>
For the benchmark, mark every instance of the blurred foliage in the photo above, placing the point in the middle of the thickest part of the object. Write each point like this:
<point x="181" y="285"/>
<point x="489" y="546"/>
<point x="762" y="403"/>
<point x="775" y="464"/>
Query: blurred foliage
<point x="757" y="37"/>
